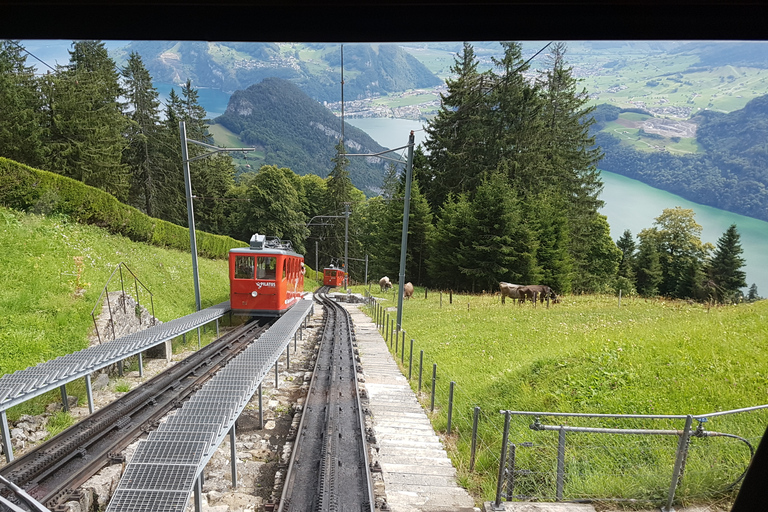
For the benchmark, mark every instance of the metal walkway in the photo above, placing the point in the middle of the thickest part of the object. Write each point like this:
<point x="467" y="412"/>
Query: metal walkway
<point x="23" y="385"/>
<point x="166" y="467"/>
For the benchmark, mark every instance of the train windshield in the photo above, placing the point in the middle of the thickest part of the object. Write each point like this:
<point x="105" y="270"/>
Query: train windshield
<point x="266" y="267"/>
<point x="244" y="267"/>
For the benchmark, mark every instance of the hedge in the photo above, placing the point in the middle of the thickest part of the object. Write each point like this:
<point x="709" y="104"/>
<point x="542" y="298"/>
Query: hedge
<point x="33" y="190"/>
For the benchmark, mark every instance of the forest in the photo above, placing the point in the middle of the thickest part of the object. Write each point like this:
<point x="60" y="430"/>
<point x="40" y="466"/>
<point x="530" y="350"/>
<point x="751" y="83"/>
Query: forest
<point x="507" y="188"/>
<point x="731" y="173"/>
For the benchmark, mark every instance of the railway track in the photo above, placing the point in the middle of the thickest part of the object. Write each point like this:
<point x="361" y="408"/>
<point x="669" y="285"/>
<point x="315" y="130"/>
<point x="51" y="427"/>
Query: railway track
<point x="54" y="471"/>
<point x="328" y="468"/>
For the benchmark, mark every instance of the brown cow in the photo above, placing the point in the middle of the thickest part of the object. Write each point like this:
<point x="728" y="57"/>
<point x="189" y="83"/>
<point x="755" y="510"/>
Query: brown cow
<point x="509" y="290"/>
<point x="408" y="290"/>
<point x="537" y="291"/>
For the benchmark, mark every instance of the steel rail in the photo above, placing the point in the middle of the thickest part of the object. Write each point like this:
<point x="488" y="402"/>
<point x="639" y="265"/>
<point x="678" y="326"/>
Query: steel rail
<point x="329" y="467"/>
<point x="54" y="470"/>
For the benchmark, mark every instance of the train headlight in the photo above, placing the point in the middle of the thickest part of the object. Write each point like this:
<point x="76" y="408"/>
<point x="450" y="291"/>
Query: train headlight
<point x="254" y="293"/>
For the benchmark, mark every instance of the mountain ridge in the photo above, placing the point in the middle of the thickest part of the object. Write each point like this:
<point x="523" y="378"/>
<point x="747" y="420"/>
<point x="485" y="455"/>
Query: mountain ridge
<point x="297" y="132"/>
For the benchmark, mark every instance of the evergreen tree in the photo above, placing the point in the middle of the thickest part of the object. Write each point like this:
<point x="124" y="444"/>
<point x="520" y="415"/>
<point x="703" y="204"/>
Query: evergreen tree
<point x="513" y="144"/>
<point x="648" y="269"/>
<point x="626" y="245"/>
<point x="599" y="257"/>
<point x="21" y="107"/>
<point x="87" y="128"/>
<point x="144" y="155"/>
<point x="502" y="247"/>
<point x="457" y="133"/>
<point x="550" y="223"/>
<point x="726" y="265"/>
<point x="450" y="247"/>
<point x="753" y="296"/>
<point x="211" y="177"/>
<point x="171" y="204"/>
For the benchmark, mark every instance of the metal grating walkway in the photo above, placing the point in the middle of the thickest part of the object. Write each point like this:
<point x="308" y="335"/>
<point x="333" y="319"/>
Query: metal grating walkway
<point x="162" y="473"/>
<point x="23" y="385"/>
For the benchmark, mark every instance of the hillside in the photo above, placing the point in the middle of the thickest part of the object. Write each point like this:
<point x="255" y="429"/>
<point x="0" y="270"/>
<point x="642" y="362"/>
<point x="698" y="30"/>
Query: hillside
<point x="369" y="69"/>
<point x="730" y="171"/>
<point x="297" y="132"/>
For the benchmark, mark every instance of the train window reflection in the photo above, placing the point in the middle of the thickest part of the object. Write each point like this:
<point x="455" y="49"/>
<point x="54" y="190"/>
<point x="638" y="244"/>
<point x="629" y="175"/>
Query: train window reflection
<point x="243" y="267"/>
<point x="266" y="267"/>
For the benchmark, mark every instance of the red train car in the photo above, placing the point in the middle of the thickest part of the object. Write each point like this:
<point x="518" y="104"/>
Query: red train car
<point x="333" y="276"/>
<point x="265" y="279"/>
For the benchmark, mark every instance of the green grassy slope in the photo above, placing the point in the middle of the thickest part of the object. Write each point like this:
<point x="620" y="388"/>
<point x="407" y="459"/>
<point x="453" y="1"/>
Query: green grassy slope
<point x="590" y="355"/>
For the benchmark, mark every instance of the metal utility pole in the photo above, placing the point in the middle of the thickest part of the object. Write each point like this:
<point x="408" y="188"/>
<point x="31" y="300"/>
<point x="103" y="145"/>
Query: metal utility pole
<point x="404" y="239"/>
<point x="188" y="188"/>
<point x="406" y="209"/>
<point x="346" y="245"/>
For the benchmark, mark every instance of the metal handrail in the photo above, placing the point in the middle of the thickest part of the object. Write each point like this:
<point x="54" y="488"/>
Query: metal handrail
<point x="105" y="291"/>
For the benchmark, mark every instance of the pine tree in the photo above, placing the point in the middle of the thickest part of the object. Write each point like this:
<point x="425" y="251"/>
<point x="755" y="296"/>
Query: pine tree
<point x="450" y="246"/>
<point x="626" y="245"/>
<point x="648" y="269"/>
<point x="502" y="247"/>
<point x="171" y="202"/>
<point x="211" y="177"/>
<point x="549" y="221"/>
<point x="457" y="133"/>
<point x="725" y="267"/>
<point x="87" y="129"/>
<point x="753" y="296"/>
<point x="21" y="107"/>
<point x="144" y="154"/>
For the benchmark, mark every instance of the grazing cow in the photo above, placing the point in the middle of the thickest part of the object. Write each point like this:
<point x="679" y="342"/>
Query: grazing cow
<point x="385" y="284"/>
<point x="537" y="291"/>
<point x="509" y="290"/>
<point x="408" y="290"/>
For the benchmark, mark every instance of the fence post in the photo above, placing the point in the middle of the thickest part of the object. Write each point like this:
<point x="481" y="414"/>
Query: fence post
<point x="434" y="378"/>
<point x="502" y="462"/>
<point x="475" y="418"/>
<point x="402" y="352"/>
<point x="450" y="407"/>
<point x="421" y="367"/>
<point x="560" y="463"/>
<point x="510" y="495"/>
<point x="410" y="361"/>
<point x="677" y="473"/>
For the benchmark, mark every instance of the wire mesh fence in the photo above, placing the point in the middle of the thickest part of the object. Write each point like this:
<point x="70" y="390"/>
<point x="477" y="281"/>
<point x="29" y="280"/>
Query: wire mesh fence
<point x="552" y="456"/>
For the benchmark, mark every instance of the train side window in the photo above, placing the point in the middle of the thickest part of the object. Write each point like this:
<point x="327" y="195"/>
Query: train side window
<point x="243" y="267"/>
<point x="285" y="263"/>
<point x="266" y="267"/>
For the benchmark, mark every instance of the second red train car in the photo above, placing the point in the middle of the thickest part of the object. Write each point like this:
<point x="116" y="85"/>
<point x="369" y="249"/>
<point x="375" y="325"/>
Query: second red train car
<point x="333" y="276"/>
<point x="265" y="279"/>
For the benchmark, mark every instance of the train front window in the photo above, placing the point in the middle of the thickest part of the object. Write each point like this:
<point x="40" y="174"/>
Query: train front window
<point x="266" y="267"/>
<point x="243" y="267"/>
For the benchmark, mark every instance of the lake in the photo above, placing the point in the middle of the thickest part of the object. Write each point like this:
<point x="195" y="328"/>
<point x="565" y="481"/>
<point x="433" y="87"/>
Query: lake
<point x="629" y="204"/>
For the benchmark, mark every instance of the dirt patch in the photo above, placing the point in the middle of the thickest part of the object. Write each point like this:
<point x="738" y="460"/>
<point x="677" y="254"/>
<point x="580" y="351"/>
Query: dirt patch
<point x="670" y="128"/>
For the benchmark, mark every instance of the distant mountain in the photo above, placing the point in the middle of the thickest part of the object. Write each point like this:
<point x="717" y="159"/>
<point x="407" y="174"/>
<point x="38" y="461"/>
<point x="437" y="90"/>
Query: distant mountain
<point x="297" y="132"/>
<point x="369" y="69"/>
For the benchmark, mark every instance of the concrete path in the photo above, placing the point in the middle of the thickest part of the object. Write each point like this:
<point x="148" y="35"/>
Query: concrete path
<point x="418" y="475"/>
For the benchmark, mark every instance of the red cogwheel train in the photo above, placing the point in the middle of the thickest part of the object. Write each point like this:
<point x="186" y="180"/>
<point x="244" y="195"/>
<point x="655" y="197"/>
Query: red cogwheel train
<point x="266" y="278"/>
<point x="333" y="276"/>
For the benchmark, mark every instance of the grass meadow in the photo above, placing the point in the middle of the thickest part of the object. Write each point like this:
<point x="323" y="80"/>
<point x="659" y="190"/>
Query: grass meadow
<point x="588" y="354"/>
